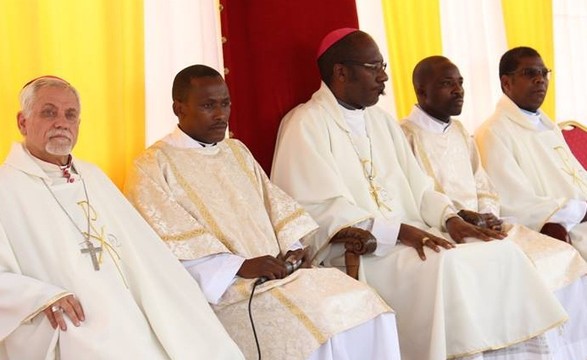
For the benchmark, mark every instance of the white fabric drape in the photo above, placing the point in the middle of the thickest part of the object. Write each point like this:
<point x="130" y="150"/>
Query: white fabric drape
<point x="178" y="33"/>
<point x="570" y="75"/>
<point x="371" y="21"/>
<point x="473" y="37"/>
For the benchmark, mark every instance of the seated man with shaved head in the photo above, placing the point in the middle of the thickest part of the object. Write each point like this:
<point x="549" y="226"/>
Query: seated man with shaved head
<point x="447" y="153"/>
<point x="348" y="163"/>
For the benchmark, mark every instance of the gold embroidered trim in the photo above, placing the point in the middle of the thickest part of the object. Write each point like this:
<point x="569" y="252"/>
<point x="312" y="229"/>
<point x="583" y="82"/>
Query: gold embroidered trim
<point x="185" y="235"/>
<point x="488" y="196"/>
<point x="300" y="315"/>
<point x="291" y="217"/>
<point x="207" y="217"/>
<point x="45" y="305"/>
<point x="420" y="154"/>
<point x="574" y="173"/>
<point x="242" y="163"/>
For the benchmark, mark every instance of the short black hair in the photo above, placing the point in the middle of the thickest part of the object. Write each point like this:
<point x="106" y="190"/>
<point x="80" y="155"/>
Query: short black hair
<point x="182" y="81"/>
<point x="338" y="52"/>
<point x="510" y="60"/>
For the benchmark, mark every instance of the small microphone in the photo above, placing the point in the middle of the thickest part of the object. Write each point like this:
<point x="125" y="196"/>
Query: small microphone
<point x="289" y="267"/>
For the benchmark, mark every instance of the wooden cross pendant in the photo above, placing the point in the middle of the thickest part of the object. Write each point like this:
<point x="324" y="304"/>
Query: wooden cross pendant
<point x="92" y="250"/>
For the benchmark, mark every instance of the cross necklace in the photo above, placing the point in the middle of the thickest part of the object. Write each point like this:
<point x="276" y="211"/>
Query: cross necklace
<point x="369" y="173"/>
<point x="90" y="248"/>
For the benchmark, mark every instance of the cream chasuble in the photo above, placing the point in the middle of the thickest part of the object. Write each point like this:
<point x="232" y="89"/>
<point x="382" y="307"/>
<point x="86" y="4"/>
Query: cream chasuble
<point x="451" y="158"/>
<point x="534" y="171"/>
<point x="445" y="306"/>
<point x="140" y="304"/>
<point x="214" y="200"/>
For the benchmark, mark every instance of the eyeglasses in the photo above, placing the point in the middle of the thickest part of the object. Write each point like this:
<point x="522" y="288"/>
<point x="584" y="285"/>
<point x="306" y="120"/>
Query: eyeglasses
<point x="375" y="66"/>
<point x="532" y="72"/>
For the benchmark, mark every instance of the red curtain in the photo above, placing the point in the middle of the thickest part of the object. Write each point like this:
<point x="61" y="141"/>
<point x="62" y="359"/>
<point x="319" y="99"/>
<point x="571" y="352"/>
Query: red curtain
<point x="270" y="61"/>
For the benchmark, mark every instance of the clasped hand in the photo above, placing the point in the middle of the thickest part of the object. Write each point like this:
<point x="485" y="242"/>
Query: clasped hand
<point x="272" y="267"/>
<point x="459" y="229"/>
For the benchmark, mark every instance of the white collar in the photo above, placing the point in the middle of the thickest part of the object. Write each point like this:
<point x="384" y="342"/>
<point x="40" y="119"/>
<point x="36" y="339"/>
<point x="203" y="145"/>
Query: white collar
<point x="182" y="140"/>
<point x="535" y="119"/>
<point x="423" y="120"/>
<point x="355" y="120"/>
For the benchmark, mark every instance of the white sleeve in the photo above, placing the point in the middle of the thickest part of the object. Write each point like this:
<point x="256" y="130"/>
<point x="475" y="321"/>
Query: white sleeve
<point x="571" y="214"/>
<point x="385" y="231"/>
<point x="214" y="273"/>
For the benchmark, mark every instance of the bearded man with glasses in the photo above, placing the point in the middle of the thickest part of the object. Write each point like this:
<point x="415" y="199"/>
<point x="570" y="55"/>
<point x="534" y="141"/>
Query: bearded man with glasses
<point x="540" y="182"/>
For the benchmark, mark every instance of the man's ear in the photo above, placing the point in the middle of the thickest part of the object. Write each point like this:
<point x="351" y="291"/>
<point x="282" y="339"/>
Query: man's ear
<point x="21" y="122"/>
<point x="506" y="84"/>
<point x="177" y="108"/>
<point x="420" y="92"/>
<point x="339" y="73"/>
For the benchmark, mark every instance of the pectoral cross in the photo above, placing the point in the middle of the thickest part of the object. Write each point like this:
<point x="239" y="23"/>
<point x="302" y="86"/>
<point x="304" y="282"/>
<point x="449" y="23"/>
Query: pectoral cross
<point x="92" y="250"/>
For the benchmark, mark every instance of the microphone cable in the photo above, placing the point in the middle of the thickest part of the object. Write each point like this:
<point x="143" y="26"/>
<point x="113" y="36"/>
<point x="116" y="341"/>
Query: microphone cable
<point x="258" y="282"/>
<point x="290" y="268"/>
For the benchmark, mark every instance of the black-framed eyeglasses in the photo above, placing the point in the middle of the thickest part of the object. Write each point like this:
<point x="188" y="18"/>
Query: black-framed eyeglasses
<point x="375" y="66"/>
<point x="533" y="72"/>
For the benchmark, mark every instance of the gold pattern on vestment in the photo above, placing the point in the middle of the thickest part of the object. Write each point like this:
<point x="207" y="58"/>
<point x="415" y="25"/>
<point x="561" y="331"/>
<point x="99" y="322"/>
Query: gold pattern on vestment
<point x="241" y="162"/>
<point x="571" y="171"/>
<point x="197" y="201"/>
<point x="297" y="312"/>
<point x="184" y="235"/>
<point x="288" y="219"/>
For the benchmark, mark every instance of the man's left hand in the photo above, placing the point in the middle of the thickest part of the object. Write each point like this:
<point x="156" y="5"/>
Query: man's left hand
<point x="459" y="229"/>
<point x="300" y="254"/>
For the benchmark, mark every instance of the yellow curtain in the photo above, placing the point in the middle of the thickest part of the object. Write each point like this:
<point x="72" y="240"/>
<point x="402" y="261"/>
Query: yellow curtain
<point x="413" y="33"/>
<point x="529" y="23"/>
<point x="98" y="47"/>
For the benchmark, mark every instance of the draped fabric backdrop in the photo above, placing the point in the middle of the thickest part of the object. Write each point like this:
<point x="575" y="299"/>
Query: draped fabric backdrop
<point x="122" y="56"/>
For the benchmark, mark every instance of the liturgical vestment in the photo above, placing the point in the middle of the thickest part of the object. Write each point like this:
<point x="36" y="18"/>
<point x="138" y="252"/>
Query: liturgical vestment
<point x="445" y="306"/>
<point x="208" y="201"/>
<point x="532" y="168"/>
<point x="140" y="304"/>
<point x="447" y="153"/>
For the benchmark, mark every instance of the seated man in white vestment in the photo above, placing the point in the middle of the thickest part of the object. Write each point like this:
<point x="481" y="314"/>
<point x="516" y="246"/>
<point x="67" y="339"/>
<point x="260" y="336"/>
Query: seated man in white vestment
<point x="82" y="275"/>
<point x="447" y="153"/>
<point x="540" y="183"/>
<point x="348" y="163"/>
<point x="220" y="215"/>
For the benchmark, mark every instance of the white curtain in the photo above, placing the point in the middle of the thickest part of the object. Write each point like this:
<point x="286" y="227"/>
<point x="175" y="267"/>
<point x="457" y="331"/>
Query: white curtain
<point x="473" y="37"/>
<point x="371" y="21"/>
<point x="178" y="33"/>
<point x="570" y="51"/>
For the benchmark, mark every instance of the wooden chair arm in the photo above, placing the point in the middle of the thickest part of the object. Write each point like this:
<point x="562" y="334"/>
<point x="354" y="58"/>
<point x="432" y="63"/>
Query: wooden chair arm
<point x="356" y="242"/>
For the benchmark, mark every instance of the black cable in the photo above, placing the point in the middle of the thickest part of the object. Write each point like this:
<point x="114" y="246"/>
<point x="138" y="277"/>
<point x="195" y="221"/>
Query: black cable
<point x="251" y="317"/>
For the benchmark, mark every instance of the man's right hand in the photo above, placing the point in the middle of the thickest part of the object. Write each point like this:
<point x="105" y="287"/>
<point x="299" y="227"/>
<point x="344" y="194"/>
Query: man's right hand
<point x="68" y="305"/>
<point x="267" y="265"/>
<point x="416" y="238"/>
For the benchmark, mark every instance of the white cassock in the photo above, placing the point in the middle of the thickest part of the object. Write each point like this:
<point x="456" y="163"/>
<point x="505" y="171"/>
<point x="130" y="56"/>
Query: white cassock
<point x="537" y="177"/>
<point x="215" y="207"/>
<point x="140" y="304"/>
<point x="355" y="167"/>
<point x="447" y="153"/>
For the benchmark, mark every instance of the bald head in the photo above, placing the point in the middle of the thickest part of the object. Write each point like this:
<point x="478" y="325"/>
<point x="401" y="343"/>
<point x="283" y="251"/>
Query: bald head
<point x="425" y="70"/>
<point x="438" y="86"/>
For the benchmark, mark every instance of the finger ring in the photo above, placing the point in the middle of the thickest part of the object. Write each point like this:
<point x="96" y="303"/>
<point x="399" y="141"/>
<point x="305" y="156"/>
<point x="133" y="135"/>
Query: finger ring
<point x="55" y="308"/>
<point x="424" y="239"/>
